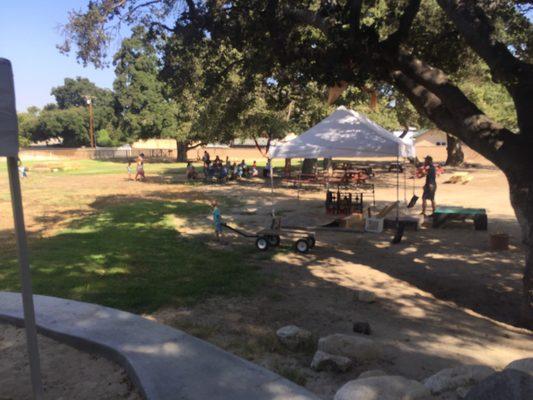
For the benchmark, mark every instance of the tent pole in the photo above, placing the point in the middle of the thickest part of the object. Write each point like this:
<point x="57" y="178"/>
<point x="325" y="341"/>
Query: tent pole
<point x="272" y="186"/>
<point x="25" y="277"/>
<point x="397" y="190"/>
<point x="404" y="182"/>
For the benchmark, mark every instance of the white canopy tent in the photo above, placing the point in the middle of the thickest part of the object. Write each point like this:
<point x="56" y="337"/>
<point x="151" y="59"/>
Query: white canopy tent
<point x="344" y="133"/>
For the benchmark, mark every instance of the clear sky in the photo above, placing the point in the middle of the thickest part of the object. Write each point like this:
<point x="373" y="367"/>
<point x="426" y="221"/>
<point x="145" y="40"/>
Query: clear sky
<point x="29" y="33"/>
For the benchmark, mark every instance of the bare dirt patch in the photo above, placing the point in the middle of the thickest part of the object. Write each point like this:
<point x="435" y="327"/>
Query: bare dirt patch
<point x="68" y="374"/>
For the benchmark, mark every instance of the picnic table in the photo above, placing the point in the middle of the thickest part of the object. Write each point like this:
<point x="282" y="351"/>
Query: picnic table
<point x="445" y="214"/>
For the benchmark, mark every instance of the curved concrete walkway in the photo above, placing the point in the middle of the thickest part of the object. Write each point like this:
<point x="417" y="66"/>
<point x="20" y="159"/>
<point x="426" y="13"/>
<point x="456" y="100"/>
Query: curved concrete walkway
<point x="165" y="363"/>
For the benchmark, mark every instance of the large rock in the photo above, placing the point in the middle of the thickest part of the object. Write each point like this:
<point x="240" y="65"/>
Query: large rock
<point x="325" y="361"/>
<point x="453" y="378"/>
<point x="382" y="388"/>
<point x="295" y="338"/>
<point x="355" y="347"/>
<point x="524" y="365"/>
<point x="510" y="384"/>
<point x="371" y="373"/>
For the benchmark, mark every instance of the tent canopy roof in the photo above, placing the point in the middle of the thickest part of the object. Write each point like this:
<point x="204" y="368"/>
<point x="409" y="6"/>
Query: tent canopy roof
<point x="344" y="133"/>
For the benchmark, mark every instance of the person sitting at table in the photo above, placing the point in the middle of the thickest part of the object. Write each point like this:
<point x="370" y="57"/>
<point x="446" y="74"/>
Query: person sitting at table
<point x="254" y="171"/>
<point x="243" y="169"/>
<point x="191" y="171"/>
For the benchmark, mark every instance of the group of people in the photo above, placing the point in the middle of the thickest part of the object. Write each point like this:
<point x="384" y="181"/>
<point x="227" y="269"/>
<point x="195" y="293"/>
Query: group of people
<point x="222" y="171"/>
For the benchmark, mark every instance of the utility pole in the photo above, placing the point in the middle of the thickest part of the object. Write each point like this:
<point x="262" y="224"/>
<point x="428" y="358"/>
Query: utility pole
<point x="91" y="120"/>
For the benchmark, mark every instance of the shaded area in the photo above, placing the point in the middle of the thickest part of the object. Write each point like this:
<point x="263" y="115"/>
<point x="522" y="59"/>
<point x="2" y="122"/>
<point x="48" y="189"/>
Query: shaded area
<point x="130" y="256"/>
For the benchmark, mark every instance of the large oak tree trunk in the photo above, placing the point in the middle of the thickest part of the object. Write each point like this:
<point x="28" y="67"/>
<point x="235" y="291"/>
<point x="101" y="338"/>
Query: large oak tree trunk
<point x="521" y="187"/>
<point x="308" y="167"/>
<point x="454" y="149"/>
<point x="182" y="148"/>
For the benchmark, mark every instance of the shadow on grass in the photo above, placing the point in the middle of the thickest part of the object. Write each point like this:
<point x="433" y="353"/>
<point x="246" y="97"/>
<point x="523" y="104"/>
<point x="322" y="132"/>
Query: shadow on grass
<point x="130" y="256"/>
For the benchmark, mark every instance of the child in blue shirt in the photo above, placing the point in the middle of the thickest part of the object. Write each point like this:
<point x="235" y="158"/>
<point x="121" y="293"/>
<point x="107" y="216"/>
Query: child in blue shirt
<point x="217" y="220"/>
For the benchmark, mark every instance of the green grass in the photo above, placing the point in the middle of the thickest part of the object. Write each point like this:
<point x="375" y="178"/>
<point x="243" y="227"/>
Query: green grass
<point x="130" y="257"/>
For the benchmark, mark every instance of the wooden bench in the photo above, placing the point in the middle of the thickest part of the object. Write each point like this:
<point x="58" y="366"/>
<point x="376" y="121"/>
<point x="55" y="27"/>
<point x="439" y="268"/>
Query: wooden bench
<point x="445" y="214"/>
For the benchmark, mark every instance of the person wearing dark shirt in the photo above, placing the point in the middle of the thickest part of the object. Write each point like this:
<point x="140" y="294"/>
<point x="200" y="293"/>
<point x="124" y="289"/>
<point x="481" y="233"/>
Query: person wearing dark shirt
<point x="430" y="187"/>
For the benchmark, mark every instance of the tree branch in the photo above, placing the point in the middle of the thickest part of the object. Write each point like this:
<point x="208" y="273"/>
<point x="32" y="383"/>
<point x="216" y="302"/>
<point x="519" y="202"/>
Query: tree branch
<point x="472" y="22"/>
<point x="470" y="125"/>
<point x="406" y="21"/>
<point x="355" y="14"/>
<point x="192" y="9"/>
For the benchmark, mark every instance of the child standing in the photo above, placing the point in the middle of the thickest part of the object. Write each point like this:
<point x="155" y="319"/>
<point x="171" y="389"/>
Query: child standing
<point x="217" y="220"/>
<point x="140" y="168"/>
<point x="130" y="170"/>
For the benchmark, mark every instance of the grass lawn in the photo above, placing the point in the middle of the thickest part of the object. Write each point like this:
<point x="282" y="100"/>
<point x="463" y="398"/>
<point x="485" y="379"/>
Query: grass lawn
<point x="131" y="257"/>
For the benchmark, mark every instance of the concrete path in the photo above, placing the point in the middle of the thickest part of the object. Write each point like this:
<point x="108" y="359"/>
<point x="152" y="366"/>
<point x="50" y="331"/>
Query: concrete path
<point x="165" y="363"/>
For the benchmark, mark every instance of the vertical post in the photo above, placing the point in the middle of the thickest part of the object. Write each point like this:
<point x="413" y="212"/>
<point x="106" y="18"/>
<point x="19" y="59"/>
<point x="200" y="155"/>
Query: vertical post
<point x="25" y="277"/>
<point x="91" y="123"/>
<point x="398" y="189"/>
<point x="271" y="172"/>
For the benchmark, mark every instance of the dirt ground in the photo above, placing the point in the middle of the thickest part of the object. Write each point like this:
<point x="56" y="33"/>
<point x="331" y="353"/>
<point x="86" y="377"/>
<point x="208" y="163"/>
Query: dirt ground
<point x="67" y="373"/>
<point x="444" y="298"/>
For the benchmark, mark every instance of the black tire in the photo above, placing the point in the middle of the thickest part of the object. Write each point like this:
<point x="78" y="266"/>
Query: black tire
<point x="262" y="243"/>
<point x="301" y="246"/>
<point x="274" y="240"/>
<point x="312" y="241"/>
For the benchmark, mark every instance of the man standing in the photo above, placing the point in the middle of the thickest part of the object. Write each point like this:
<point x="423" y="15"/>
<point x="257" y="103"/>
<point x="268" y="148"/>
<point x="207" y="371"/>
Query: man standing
<point x="430" y="187"/>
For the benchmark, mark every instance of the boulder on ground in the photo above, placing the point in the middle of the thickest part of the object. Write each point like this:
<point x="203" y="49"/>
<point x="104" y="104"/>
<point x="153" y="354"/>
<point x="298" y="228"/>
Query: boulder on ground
<point x="355" y="347"/>
<point x="365" y="296"/>
<point x="453" y="378"/>
<point x="325" y="361"/>
<point x="362" y="327"/>
<point x="295" y="338"/>
<point x="509" y="384"/>
<point x="382" y="388"/>
<point x="524" y="365"/>
<point x="371" y="373"/>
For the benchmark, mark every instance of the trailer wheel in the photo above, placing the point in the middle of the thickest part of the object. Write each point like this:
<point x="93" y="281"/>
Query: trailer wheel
<point x="312" y="241"/>
<point x="262" y="243"/>
<point x="301" y="246"/>
<point x="274" y="240"/>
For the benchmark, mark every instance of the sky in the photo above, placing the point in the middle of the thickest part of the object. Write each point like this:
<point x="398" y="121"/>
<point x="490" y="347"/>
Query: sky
<point x="29" y="33"/>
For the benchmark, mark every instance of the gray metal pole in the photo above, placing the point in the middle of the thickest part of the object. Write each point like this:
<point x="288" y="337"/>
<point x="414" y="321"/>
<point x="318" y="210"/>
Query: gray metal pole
<point x="25" y="277"/>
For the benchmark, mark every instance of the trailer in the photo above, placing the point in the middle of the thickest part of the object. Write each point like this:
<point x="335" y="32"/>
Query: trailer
<point x="303" y="240"/>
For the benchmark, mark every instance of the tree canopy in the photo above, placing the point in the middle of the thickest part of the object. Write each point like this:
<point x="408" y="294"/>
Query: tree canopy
<point x="416" y="46"/>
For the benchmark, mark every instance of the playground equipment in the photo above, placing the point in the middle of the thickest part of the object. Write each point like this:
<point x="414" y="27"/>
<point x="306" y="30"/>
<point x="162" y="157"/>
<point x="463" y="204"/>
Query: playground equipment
<point x="271" y="237"/>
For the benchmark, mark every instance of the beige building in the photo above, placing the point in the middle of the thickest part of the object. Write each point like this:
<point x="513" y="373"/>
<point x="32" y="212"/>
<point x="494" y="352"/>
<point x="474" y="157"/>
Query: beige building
<point x="433" y="143"/>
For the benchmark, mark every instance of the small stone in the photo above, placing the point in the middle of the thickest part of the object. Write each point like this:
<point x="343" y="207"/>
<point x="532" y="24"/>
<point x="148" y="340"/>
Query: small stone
<point x="524" y="365"/>
<point x="463" y="391"/>
<point x="352" y="346"/>
<point x="324" y="361"/>
<point x="508" y="384"/>
<point x="371" y="373"/>
<point x="382" y="388"/>
<point x="362" y="327"/>
<point x="366" y="296"/>
<point x="295" y="338"/>
<point x="452" y="378"/>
